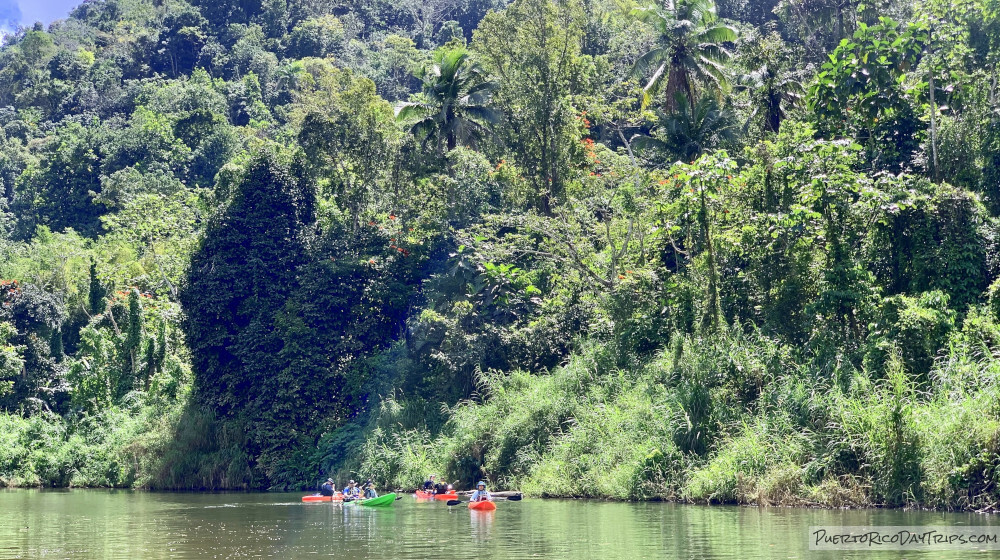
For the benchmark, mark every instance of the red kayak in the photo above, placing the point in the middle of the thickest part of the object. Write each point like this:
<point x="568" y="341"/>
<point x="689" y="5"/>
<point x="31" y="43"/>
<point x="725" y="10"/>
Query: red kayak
<point x="482" y="506"/>
<point x="318" y="498"/>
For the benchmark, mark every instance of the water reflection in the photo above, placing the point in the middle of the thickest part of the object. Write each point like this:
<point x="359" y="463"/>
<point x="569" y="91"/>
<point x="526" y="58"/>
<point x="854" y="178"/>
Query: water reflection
<point x="97" y="524"/>
<point x="482" y="525"/>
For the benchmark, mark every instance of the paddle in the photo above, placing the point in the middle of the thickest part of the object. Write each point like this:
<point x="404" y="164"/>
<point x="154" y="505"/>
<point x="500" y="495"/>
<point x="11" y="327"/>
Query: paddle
<point x="453" y="502"/>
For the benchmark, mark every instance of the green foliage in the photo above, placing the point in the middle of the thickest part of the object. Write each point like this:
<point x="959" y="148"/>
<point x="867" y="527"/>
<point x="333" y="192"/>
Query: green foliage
<point x="534" y="48"/>
<point x="690" y="50"/>
<point x="454" y="108"/>
<point x="224" y="262"/>
<point x="861" y="91"/>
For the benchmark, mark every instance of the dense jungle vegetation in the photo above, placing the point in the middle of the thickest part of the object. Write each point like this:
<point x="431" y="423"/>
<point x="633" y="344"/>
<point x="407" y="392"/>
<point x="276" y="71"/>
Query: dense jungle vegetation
<point x="737" y="252"/>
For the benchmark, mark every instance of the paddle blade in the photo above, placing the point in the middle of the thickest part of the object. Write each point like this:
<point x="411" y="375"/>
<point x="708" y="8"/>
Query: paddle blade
<point x="514" y="498"/>
<point x="453" y="502"/>
<point x="399" y="497"/>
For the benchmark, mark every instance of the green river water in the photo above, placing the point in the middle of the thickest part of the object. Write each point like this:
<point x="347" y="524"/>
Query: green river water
<point x="122" y="524"/>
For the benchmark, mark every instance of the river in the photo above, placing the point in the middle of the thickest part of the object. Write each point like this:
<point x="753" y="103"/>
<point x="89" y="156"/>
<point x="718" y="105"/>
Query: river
<point x="123" y="524"/>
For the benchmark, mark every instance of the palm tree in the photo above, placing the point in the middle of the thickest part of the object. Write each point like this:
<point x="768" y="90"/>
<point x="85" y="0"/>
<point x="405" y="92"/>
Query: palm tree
<point x="690" y="47"/>
<point x="772" y="87"/>
<point x="688" y="133"/>
<point x="454" y="105"/>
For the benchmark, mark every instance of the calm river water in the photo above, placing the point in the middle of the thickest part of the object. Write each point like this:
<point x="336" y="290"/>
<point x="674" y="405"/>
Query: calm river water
<point x="121" y="524"/>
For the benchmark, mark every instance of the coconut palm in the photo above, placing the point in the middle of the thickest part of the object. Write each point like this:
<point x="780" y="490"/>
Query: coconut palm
<point x="687" y="133"/>
<point x="454" y="107"/>
<point x="772" y="86"/>
<point x="689" y="48"/>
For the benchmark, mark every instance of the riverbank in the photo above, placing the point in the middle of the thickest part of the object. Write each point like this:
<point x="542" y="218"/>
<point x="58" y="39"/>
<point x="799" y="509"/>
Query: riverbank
<point x="678" y="426"/>
<point x="683" y="426"/>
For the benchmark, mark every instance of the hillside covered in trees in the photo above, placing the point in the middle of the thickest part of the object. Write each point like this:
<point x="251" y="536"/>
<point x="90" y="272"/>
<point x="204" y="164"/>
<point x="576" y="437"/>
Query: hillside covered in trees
<point x="737" y="252"/>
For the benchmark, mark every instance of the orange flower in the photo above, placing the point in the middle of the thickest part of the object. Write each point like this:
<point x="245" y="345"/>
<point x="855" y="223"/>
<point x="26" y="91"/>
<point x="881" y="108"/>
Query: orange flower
<point x="621" y="277"/>
<point x="392" y="216"/>
<point x="371" y="261"/>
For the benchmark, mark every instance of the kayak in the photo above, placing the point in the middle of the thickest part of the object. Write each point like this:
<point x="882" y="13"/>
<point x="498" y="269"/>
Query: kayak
<point x="421" y="495"/>
<point x="482" y="506"/>
<point x="386" y="500"/>
<point x="318" y="498"/>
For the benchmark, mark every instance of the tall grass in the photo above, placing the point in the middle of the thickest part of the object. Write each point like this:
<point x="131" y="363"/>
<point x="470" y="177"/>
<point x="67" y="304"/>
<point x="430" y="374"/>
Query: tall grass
<point x="732" y="419"/>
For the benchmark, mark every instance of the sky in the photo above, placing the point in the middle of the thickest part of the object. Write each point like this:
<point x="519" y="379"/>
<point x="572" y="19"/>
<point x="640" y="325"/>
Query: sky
<point x="27" y="12"/>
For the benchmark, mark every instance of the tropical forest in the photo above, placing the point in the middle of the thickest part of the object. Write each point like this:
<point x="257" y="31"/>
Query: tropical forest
<point x="730" y="252"/>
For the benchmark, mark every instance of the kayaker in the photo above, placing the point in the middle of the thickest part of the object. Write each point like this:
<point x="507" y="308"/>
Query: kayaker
<point x="370" y="490"/>
<point x="481" y="494"/>
<point x="327" y="488"/>
<point x="429" y="484"/>
<point x="351" y="491"/>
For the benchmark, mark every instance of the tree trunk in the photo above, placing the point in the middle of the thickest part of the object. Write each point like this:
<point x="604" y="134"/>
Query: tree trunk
<point x="934" y="109"/>
<point x="710" y="320"/>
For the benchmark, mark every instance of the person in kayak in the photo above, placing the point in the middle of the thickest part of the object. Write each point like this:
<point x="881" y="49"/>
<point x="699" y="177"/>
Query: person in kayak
<point x="351" y="491"/>
<point x="370" y="490"/>
<point x="327" y="488"/>
<point x="481" y="494"/>
<point x="429" y="484"/>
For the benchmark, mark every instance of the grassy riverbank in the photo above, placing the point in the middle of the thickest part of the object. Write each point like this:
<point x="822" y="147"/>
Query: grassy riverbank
<point x="681" y="426"/>
<point x="677" y="426"/>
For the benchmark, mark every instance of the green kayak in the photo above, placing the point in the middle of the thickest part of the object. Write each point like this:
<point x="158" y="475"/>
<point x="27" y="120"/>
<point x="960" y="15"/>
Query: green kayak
<point x="386" y="500"/>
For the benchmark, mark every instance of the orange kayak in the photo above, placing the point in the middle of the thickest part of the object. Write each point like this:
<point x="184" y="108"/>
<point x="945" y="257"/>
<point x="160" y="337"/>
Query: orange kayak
<point x="421" y="495"/>
<point x="482" y="506"/>
<point x="318" y="498"/>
